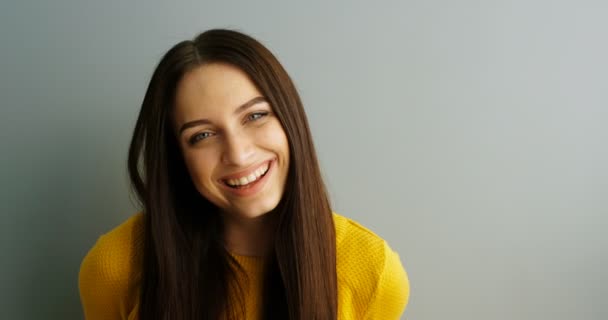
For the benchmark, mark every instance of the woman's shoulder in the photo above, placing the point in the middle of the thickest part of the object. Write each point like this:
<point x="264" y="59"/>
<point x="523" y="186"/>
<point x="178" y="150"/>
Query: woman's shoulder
<point x="109" y="272"/>
<point x="351" y="235"/>
<point x="120" y="245"/>
<point x="370" y="273"/>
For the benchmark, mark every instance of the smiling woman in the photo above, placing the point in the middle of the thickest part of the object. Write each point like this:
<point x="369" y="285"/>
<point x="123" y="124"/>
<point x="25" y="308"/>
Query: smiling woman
<point x="234" y="146"/>
<point x="235" y="221"/>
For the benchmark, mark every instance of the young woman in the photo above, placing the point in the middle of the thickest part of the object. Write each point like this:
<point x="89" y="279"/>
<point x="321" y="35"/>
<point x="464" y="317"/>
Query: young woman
<point x="235" y="221"/>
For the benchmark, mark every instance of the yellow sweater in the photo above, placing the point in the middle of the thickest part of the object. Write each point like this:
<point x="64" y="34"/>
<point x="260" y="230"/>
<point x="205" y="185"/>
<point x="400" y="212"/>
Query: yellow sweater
<point x="372" y="283"/>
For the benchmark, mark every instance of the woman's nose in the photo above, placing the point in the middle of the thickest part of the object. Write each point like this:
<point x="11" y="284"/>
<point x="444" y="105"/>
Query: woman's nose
<point x="238" y="149"/>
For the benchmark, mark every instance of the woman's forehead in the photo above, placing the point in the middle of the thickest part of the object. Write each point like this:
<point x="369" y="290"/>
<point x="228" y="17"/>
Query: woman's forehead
<point x="214" y="88"/>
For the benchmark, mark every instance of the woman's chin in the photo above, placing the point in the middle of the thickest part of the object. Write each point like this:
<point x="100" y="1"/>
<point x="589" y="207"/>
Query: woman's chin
<point x="250" y="213"/>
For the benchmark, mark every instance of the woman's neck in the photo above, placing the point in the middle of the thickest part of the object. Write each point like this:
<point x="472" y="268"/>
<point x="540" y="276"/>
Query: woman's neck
<point x="249" y="237"/>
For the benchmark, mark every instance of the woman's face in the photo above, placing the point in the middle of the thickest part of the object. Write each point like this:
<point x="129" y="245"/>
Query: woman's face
<point x="234" y="146"/>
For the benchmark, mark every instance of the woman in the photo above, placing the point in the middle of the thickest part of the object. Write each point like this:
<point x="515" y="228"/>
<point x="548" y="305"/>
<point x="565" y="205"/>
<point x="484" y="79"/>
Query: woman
<point x="236" y="222"/>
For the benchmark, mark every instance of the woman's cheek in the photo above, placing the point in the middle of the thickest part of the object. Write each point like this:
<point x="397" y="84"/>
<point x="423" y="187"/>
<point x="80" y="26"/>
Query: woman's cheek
<point x="200" y="164"/>
<point x="274" y="135"/>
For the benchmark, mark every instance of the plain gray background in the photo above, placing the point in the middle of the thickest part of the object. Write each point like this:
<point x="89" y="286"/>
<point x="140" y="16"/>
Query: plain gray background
<point x="471" y="135"/>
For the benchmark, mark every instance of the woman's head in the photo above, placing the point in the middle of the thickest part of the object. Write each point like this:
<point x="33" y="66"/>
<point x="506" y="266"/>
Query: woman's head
<point x="208" y="79"/>
<point x="221" y="110"/>
<point x="233" y="144"/>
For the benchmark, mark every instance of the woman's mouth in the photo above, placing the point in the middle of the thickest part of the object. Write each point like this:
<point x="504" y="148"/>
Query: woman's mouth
<point x="250" y="183"/>
<point x="249" y="180"/>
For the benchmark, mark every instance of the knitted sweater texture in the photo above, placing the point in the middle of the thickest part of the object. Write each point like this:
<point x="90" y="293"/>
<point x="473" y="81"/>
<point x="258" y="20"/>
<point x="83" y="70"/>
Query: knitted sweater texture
<point x="372" y="283"/>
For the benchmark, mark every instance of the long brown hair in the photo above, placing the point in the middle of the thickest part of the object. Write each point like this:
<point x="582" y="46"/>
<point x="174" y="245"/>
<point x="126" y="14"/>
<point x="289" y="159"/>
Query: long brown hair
<point x="187" y="272"/>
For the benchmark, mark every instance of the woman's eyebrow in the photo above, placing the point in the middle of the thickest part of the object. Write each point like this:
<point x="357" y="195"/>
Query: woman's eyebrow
<point x="238" y="110"/>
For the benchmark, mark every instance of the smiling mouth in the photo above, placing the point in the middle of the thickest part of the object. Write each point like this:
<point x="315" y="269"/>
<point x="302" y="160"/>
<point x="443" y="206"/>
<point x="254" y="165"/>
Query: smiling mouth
<point x="248" y="181"/>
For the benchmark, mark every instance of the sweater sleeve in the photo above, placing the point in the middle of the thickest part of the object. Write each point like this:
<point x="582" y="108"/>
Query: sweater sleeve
<point x="393" y="290"/>
<point x="108" y="278"/>
<point x="100" y="292"/>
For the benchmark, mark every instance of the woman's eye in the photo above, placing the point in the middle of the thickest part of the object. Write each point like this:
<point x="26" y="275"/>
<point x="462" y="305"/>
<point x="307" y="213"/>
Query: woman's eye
<point x="256" y="115"/>
<point x="200" y="136"/>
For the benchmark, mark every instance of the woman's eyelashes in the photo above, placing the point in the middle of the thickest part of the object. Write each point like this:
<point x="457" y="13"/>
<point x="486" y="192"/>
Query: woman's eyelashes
<point x="199" y="136"/>
<point x="252" y="117"/>
<point x="256" y="115"/>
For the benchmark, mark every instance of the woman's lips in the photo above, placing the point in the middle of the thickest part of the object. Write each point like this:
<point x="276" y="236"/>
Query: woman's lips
<point x="253" y="187"/>
<point x="244" y="173"/>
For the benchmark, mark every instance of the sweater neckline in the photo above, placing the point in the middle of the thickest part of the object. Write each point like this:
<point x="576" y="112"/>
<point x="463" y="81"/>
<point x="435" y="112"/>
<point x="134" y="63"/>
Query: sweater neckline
<point x="253" y="264"/>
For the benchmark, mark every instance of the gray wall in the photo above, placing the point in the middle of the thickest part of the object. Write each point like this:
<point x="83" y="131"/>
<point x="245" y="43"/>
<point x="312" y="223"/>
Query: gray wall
<point x="470" y="134"/>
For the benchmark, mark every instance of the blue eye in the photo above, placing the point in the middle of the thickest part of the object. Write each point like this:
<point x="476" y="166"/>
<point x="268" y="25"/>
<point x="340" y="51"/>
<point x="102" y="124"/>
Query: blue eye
<point x="256" y="116"/>
<point x="200" y="136"/>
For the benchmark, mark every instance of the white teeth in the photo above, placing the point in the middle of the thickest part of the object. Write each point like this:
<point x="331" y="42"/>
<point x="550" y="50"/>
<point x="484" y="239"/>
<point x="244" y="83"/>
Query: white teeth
<point x="248" y="179"/>
<point x="244" y="180"/>
<point x="259" y="172"/>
